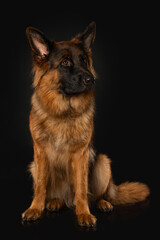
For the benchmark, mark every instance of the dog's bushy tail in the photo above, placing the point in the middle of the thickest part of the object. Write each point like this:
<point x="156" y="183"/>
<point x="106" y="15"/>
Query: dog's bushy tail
<point x="127" y="192"/>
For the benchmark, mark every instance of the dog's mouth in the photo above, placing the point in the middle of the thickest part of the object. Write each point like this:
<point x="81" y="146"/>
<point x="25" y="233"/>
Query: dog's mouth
<point x="72" y="90"/>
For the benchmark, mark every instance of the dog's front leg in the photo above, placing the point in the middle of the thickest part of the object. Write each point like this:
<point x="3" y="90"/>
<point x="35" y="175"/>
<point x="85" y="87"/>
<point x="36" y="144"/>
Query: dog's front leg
<point x="79" y="165"/>
<point x="40" y="184"/>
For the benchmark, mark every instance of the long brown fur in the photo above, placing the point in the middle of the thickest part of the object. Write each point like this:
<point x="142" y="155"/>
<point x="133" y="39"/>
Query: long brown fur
<point x="65" y="169"/>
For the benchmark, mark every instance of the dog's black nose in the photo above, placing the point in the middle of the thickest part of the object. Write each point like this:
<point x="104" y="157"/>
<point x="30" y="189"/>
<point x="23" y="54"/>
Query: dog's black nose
<point x="87" y="79"/>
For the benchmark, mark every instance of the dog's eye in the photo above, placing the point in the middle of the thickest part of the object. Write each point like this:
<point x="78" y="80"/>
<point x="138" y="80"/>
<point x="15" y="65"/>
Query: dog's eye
<point x="66" y="62"/>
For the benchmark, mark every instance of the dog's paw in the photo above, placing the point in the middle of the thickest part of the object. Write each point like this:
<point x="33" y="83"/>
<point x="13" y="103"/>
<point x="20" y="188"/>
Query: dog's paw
<point x="105" y="206"/>
<point x="31" y="214"/>
<point x="87" y="220"/>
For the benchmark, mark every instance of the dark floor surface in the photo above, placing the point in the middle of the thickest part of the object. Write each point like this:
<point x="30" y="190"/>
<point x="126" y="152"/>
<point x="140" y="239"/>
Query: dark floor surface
<point x="137" y="221"/>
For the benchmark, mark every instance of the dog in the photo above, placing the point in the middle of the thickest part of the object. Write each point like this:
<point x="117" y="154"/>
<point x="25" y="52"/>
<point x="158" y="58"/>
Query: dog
<point x="66" y="170"/>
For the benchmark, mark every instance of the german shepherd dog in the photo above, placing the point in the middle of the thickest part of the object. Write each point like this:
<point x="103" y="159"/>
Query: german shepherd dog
<point x="66" y="170"/>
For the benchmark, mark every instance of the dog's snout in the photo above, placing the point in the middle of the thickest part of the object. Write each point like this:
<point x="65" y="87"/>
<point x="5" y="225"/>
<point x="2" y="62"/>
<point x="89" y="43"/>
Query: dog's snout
<point x="87" y="79"/>
<point x="79" y="82"/>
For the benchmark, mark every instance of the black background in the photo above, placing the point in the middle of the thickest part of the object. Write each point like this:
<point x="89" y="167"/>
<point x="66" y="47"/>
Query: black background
<point x="125" y="123"/>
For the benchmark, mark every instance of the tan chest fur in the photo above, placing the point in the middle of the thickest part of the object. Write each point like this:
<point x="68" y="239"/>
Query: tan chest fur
<point x="60" y="137"/>
<point x="64" y="139"/>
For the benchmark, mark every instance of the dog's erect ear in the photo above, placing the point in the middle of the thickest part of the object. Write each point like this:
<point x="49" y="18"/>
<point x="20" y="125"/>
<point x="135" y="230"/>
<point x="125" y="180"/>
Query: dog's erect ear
<point x="39" y="44"/>
<point x="88" y="36"/>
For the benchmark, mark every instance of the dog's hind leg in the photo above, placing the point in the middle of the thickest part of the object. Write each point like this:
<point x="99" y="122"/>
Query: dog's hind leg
<point x="100" y="178"/>
<point x="32" y="170"/>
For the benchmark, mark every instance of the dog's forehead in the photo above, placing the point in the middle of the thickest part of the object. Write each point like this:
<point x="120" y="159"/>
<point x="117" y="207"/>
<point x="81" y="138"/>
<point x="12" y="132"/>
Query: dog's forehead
<point x="69" y="48"/>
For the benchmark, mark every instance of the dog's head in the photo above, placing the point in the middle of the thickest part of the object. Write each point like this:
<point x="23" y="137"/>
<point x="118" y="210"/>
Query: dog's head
<point x="69" y="61"/>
